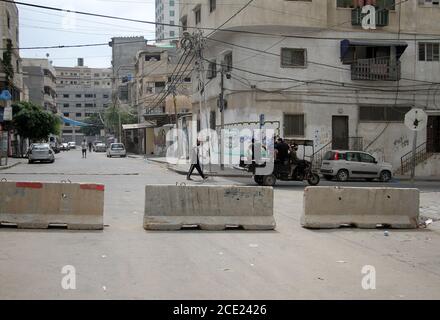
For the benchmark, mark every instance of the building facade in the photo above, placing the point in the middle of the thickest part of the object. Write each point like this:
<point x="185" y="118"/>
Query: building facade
<point x="39" y="76"/>
<point x="82" y="92"/>
<point x="154" y="72"/>
<point x="167" y="12"/>
<point x="124" y="50"/>
<point x="311" y="71"/>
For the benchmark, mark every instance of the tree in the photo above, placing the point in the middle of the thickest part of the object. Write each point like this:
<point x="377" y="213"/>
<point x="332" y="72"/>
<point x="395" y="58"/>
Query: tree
<point x="95" y="125"/>
<point x="112" y="119"/>
<point x="32" y="122"/>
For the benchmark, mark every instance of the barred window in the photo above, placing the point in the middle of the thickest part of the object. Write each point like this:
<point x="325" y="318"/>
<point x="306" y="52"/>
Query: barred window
<point x="382" y="113"/>
<point x="293" y="57"/>
<point x="293" y="125"/>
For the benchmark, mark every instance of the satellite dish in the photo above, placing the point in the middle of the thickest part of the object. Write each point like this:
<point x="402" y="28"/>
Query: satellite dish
<point x="416" y="119"/>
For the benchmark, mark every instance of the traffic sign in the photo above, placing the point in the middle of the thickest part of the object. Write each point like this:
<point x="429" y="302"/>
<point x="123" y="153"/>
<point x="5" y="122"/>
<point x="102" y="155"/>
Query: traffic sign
<point x="416" y="119"/>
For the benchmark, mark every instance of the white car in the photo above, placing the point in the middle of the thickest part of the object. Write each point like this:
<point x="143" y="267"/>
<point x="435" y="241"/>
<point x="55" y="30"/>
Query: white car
<point x="343" y="165"/>
<point x="41" y="152"/>
<point x="116" y="150"/>
<point x="72" y="145"/>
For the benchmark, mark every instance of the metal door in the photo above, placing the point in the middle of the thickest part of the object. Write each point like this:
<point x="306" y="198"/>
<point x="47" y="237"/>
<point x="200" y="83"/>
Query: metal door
<point x="340" y="132"/>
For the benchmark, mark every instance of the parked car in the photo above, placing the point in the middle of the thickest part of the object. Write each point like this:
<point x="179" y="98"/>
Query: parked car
<point x="99" y="147"/>
<point x="72" y="145"/>
<point x="116" y="150"/>
<point x="94" y="145"/>
<point x="41" y="152"/>
<point x="65" y="146"/>
<point x="344" y="165"/>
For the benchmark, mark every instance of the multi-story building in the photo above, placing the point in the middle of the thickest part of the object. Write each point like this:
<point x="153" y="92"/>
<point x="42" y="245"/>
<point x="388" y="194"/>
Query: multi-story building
<point x="155" y="70"/>
<point x="312" y="71"/>
<point x="9" y="31"/>
<point x="40" y="79"/>
<point x="124" y="50"/>
<point x="167" y="15"/>
<point x="82" y="92"/>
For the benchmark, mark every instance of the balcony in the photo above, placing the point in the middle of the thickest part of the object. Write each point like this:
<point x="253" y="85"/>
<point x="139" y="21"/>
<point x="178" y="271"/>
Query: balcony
<point x="382" y="17"/>
<point x="375" y="69"/>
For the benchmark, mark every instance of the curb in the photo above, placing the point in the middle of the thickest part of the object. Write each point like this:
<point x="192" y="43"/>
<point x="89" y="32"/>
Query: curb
<point x="10" y="166"/>
<point x="181" y="172"/>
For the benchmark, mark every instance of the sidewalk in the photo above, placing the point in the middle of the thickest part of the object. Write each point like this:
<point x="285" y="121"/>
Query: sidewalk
<point x="12" y="162"/>
<point x="211" y="170"/>
<point x="408" y="178"/>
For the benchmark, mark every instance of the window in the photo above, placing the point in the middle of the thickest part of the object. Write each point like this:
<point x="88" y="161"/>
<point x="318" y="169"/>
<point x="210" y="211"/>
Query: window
<point x="184" y="23"/>
<point x="212" y="69"/>
<point x="293" y="125"/>
<point x="293" y="57"/>
<point x="89" y="105"/>
<point x="152" y="57"/>
<point x="78" y="105"/>
<point x="171" y="13"/>
<point x="105" y="105"/>
<point x="188" y="79"/>
<point x="105" y="96"/>
<point x="96" y="83"/>
<point x="78" y="96"/>
<point x="66" y="114"/>
<point x="212" y="5"/>
<point x="429" y="51"/>
<point x="198" y="14"/>
<point x="172" y="33"/>
<point x="88" y="95"/>
<point x="78" y="115"/>
<point x="352" y="156"/>
<point x="172" y="22"/>
<point x="67" y="131"/>
<point x="384" y="4"/>
<point x="382" y="113"/>
<point x="66" y="105"/>
<point x="96" y="75"/>
<point x="366" y="158"/>
<point x="228" y="62"/>
<point x="8" y="19"/>
<point x="429" y="3"/>
<point x="171" y="3"/>
<point x="344" y="3"/>
<point x="65" y="96"/>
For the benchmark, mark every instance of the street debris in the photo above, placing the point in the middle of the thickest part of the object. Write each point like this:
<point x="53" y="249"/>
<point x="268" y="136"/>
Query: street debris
<point x="253" y="245"/>
<point x="386" y="234"/>
<point x="104" y="288"/>
<point x="341" y="261"/>
<point x="103" y="256"/>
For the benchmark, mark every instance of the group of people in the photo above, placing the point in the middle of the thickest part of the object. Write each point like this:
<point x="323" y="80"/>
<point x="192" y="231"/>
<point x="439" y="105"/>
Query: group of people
<point x="287" y="154"/>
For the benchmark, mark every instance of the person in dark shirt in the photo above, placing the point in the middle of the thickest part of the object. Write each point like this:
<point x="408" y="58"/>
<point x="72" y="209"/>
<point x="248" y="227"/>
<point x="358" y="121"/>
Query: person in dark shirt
<point x="282" y="150"/>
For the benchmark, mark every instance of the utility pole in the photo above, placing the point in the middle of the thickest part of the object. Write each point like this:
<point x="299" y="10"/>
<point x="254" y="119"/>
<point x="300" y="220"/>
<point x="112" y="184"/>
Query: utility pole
<point x="222" y="118"/>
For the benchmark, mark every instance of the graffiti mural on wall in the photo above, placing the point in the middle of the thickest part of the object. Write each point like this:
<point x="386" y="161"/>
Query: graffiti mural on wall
<point x="401" y="143"/>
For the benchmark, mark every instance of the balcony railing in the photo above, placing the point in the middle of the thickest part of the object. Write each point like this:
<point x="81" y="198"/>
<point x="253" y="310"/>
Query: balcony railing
<point x="382" y="17"/>
<point x="375" y="69"/>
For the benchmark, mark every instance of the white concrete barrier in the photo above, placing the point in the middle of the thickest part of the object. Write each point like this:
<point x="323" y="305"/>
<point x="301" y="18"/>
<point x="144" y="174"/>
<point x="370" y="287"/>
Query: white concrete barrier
<point x="331" y="207"/>
<point x="170" y="207"/>
<point x="37" y="205"/>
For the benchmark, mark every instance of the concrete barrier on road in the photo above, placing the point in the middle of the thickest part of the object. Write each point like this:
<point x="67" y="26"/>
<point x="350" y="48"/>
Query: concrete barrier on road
<point x="332" y="207"/>
<point x="170" y="207"/>
<point x="37" y="205"/>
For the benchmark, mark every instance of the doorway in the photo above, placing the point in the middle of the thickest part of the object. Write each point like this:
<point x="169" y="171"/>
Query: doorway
<point x="433" y="134"/>
<point x="340" y="132"/>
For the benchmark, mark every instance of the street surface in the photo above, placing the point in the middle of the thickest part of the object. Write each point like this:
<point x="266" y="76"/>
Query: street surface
<point x="126" y="262"/>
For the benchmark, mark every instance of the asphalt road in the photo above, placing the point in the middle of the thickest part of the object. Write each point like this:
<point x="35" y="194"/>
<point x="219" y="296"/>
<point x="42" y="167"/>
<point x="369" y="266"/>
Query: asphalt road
<point x="126" y="262"/>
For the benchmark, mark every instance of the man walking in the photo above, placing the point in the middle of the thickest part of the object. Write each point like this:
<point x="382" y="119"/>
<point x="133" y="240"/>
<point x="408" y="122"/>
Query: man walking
<point x="84" y="148"/>
<point x="90" y="146"/>
<point x="195" y="163"/>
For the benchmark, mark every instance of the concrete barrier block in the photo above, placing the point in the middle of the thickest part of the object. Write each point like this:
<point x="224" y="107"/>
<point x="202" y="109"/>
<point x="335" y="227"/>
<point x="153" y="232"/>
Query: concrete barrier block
<point x="170" y="207"/>
<point x="331" y="207"/>
<point x="37" y="205"/>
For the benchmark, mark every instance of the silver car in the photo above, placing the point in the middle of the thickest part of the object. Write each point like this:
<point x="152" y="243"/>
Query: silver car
<point x="343" y="165"/>
<point x="41" y="152"/>
<point x="116" y="150"/>
<point x="99" y="147"/>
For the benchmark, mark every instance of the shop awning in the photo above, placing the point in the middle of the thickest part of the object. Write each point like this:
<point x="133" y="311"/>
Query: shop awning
<point x="138" y="126"/>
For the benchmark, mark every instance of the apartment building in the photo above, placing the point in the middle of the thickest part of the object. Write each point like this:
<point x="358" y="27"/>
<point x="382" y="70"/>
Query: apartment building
<point x="312" y="71"/>
<point x="155" y="70"/>
<point x="10" y="34"/>
<point x="82" y="92"/>
<point x="39" y="76"/>
<point x="167" y="12"/>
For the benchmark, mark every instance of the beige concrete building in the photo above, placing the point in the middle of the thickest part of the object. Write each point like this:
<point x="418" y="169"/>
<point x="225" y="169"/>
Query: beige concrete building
<point x="154" y="71"/>
<point x="82" y="92"/>
<point x="10" y="37"/>
<point x="314" y="72"/>
<point x="40" y="79"/>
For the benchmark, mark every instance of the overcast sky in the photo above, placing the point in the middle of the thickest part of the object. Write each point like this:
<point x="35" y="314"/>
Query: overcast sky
<point x="39" y="27"/>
